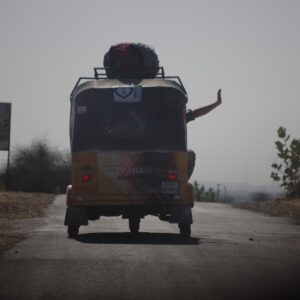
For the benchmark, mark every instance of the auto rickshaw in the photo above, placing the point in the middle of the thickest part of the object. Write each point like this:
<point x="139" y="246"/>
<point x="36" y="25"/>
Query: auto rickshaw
<point x="129" y="152"/>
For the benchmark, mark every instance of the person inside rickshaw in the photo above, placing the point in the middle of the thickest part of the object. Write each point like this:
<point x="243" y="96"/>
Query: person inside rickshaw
<point x="124" y="124"/>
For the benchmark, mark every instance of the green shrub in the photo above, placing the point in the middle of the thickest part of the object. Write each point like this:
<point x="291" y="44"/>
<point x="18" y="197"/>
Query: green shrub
<point x="288" y="171"/>
<point x="200" y="194"/>
<point x="39" y="167"/>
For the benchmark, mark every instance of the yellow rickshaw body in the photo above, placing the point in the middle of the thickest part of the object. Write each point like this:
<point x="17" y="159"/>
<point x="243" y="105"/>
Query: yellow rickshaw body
<point x="129" y="152"/>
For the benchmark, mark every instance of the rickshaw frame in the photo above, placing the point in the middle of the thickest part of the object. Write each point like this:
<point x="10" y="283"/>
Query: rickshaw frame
<point x="77" y="215"/>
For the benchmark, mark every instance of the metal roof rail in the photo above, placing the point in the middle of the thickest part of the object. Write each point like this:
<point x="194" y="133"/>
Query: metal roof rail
<point x="100" y="74"/>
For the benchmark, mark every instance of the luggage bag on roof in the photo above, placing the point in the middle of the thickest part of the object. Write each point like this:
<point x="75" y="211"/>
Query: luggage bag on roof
<point x="131" y="60"/>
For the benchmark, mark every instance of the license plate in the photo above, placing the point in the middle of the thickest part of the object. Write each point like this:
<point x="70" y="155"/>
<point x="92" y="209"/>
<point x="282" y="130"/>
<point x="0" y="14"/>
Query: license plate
<point x="170" y="187"/>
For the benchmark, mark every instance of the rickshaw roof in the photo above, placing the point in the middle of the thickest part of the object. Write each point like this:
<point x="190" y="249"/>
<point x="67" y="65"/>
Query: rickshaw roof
<point x="149" y="85"/>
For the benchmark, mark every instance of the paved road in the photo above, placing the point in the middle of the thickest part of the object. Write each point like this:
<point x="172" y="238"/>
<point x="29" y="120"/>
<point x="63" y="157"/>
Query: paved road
<point x="233" y="254"/>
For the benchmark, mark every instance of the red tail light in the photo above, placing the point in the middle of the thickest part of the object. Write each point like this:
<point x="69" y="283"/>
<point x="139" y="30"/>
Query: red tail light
<point x="86" y="177"/>
<point x="86" y="174"/>
<point x="172" y="176"/>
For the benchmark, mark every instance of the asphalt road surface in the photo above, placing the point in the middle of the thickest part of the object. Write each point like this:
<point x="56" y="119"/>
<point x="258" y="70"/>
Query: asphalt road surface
<point x="233" y="254"/>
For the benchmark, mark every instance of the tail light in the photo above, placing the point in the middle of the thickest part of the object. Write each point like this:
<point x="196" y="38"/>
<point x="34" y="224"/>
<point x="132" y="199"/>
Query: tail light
<point x="172" y="176"/>
<point x="86" y="175"/>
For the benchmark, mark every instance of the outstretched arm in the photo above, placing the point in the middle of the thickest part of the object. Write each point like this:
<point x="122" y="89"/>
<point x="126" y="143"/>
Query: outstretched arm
<point x="193" y="114"/>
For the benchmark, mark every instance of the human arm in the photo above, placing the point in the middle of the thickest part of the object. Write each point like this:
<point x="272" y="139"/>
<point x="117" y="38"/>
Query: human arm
<point x="193" y="114"/>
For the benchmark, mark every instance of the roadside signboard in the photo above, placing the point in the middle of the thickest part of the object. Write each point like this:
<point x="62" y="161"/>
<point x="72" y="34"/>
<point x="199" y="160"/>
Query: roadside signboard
<point x="5" y="114"/>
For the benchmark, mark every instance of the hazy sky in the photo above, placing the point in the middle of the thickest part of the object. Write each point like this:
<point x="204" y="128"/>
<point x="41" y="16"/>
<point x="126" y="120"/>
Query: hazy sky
<point x="250" y="49"/>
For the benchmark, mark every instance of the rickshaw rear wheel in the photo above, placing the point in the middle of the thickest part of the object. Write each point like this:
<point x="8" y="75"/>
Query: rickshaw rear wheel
<point x="73" y="231"/>
<point x="134" y="225"/>
<point x="185" y="230"/>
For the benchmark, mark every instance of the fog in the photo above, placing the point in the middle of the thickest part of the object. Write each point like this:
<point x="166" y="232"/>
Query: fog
<point x="250" y="49"/>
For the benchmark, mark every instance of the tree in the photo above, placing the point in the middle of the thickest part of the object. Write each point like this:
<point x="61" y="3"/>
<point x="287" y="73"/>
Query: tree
<point x="288" y="170"/>
<point x="206" y="196"/>
<point x="39" y="168"/>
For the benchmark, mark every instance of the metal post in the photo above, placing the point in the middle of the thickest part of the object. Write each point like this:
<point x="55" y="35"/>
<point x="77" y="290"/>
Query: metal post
<point x="7" y="169"/>
<point x="8" y="149"/>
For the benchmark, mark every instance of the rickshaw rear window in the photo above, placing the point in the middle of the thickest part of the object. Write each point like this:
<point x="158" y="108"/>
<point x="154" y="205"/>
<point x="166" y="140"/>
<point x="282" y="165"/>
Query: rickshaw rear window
<point x="129" y="127"/>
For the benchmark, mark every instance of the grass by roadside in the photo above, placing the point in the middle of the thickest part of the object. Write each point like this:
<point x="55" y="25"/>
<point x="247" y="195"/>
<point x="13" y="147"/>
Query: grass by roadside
<point x="275" y="207"/>
<point x="15" y="206"/>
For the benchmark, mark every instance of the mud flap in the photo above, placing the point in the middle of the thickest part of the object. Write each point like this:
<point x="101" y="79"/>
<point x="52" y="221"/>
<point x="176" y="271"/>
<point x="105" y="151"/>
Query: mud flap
<point x="76" y="216"/>
<point x="181" y="214"/>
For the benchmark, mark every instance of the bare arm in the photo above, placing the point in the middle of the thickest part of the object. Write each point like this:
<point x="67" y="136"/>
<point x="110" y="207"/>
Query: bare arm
<point x="193" y="114"/>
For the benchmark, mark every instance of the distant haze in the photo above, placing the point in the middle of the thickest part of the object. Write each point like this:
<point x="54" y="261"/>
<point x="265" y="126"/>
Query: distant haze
<point x="250" y="49"/>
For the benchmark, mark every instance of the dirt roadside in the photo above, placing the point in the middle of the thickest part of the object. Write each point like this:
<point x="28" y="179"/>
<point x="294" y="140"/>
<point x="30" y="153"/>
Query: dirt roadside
<point x="15" y="206"/>
<point x="275" y="207"/>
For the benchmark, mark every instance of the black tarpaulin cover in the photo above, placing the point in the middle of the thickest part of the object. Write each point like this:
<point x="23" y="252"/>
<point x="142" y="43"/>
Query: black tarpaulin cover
<point x="131" y="60"/>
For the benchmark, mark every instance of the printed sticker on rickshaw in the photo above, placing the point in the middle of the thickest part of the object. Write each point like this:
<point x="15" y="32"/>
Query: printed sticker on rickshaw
<point x="170" y="187"/>
<point x="128" y="94"/>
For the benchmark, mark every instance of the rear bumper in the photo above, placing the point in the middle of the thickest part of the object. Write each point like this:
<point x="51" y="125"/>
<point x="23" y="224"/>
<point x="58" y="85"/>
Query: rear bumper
<point x="75" y="198"/>
<point x="81" y="208"/>
<point x="79" y="215"/>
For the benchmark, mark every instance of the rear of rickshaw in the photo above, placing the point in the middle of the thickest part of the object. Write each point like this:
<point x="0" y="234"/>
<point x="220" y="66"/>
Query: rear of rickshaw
<point x="129" y="152"/>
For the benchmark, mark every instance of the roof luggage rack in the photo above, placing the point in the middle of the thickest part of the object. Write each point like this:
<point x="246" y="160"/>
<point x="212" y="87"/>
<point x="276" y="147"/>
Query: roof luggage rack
<point x="100" y="74"/>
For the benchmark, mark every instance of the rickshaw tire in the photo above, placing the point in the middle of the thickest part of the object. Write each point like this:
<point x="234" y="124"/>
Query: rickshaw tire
<point x="73" y="231"/>
<point x="185" y="230"/>
<point x="134" y="225"/>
